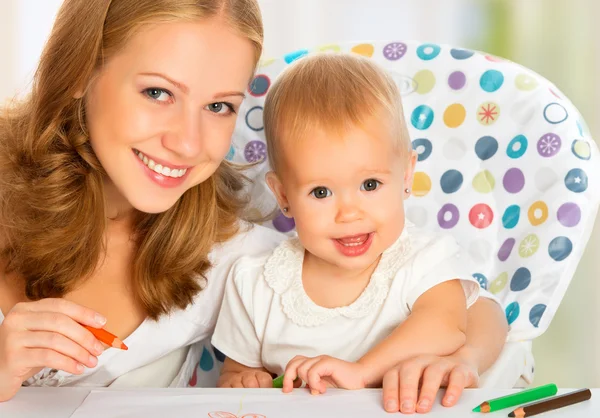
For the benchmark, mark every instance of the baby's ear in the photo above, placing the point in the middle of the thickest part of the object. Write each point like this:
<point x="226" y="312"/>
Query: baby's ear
<point x="409" y="171"/>
<point x="278" y="190"/>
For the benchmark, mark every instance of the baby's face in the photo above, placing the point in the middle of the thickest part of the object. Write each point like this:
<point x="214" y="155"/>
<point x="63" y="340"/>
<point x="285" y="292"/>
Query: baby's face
<point x="346" y="194"/>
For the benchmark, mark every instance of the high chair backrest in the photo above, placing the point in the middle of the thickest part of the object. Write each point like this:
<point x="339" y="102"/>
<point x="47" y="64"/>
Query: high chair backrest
<point x="505" y="164"/>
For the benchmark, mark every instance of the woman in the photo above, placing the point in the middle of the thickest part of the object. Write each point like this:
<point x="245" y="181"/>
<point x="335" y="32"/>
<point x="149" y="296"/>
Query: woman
<point x="117" y="209"/>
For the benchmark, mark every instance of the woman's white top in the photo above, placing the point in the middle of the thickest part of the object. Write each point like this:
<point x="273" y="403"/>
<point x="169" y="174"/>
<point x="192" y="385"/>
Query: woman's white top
<point x="155" y="339"/>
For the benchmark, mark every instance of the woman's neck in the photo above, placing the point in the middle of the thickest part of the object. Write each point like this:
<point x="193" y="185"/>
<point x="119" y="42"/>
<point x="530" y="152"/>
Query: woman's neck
<point x="118" y="208"/>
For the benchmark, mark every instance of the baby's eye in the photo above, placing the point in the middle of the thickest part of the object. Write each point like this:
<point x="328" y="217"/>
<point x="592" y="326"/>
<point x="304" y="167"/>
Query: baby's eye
<point x="321" y="192"/>
<point x="370" y="185"/>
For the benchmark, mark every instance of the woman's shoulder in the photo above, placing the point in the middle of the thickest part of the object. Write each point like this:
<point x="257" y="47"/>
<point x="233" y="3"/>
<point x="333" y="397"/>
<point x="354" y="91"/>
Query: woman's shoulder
<point x="252" y="240"/>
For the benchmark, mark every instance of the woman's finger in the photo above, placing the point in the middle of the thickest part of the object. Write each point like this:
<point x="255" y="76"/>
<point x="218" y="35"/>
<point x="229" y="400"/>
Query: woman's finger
<point x="43" y="357"/>
<point x="410" y="376"/>
<point x="61" y="324"/>
<point x="459" y="378"/>
<point x="60" y="344"/>
<point x="76" y="312"/>
<point x="431" y="382"/>
<point x="390" y="391"/>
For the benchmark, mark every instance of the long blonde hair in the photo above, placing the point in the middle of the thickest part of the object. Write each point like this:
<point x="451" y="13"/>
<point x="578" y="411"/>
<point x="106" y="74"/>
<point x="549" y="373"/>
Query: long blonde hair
<point x="52" y="214"/>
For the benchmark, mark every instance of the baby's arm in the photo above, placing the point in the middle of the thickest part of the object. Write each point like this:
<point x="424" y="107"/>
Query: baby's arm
<point x="236" y="375"/>
<point x="235" y="333"/>
<point x="435" y="326"/>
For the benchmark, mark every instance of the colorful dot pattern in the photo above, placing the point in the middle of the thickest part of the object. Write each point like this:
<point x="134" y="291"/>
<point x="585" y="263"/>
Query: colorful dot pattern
<point x="505" y="164"/>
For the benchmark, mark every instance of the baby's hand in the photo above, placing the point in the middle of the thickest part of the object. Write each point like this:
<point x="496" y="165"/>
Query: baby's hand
<point x="322" y="371"/>
<point x="246" y="379"/>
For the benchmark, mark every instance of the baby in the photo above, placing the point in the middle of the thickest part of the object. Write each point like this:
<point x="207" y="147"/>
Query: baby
<point x="358" y="290"/>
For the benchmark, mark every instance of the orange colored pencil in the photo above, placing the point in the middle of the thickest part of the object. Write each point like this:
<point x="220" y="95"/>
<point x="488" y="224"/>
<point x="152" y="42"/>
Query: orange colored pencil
<point x="107" y="338"/>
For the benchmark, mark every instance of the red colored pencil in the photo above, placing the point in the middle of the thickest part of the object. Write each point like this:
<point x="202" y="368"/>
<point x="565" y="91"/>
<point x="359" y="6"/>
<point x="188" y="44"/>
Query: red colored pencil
<point x="107" y="338"/>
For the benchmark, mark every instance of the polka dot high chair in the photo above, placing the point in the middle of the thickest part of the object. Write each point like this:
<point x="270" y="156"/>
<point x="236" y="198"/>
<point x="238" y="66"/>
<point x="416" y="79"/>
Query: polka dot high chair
<point x="505" y="164"/>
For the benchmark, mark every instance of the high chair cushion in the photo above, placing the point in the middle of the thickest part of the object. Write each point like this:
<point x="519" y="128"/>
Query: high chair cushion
<point x="505" y="164"/>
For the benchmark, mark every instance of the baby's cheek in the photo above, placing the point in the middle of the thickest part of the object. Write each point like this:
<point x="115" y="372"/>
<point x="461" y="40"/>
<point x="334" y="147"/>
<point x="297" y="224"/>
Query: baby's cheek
<point x="392" y="216"/>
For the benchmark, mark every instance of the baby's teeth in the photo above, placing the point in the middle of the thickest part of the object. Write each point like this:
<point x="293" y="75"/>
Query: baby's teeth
<point x="158" y="168"/>
<point x="151" y="164"/>
<point x="166" y="171"/>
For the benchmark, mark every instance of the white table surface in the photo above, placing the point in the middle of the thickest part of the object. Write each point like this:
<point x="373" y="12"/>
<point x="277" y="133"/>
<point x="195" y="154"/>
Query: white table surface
<point x="62" y="402"/>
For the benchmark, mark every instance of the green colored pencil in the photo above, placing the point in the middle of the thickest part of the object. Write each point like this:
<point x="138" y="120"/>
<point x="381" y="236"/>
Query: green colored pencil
<point x="278" y="382"/>
<point x="528" y="395"/>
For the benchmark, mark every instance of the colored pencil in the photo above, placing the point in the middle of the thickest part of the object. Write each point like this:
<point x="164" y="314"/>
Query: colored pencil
<point x="278" y="382"/>
<point x="514" y="399"/>
<point x="106" y="337"/>
<point x="551" y="404"/>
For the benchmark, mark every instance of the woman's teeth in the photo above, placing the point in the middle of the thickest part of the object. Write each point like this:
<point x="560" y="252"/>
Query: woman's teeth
<point x="157" y="168"/>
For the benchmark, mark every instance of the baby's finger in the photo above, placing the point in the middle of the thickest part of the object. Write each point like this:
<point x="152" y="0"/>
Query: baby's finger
<point x="264" y="380"/>
<point x="60" y="344"/>
<point x="303" y="372"/>
<point x="236" y="382"/>
<point x="315" y="373"/>
<point x="305" y="366"/>
<point x="291" y="373"/>
<point x="249" y="380"/>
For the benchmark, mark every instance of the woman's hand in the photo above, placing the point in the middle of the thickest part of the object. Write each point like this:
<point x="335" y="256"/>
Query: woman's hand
<point x="46" y="333"/>
<point x="401" y="384"/>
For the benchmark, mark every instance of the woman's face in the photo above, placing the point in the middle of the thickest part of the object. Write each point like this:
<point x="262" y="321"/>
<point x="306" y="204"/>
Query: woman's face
<point x="161" y="112"/>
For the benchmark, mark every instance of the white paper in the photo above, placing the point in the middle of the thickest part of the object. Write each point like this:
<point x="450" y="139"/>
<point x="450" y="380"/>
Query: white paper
<point x="231" y="403"/>
<point x="241" y="403"/>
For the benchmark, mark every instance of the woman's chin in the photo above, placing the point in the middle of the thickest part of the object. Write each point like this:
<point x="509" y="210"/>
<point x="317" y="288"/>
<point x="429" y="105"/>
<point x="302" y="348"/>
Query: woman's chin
<point x="153" y="205"/>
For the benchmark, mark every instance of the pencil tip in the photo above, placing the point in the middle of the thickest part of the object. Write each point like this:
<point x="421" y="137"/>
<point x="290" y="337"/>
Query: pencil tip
<point x="117" y="343"/>
<point x="512" y="414"/>
<point x="477" y="408"/>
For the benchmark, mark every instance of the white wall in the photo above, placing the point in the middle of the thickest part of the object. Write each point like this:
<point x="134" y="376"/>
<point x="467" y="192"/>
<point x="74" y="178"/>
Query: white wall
<point x="8" y="45"/>
<point x="295" y="24"/>
<point x="552" y="37"/>
<point x="24" y="28"/>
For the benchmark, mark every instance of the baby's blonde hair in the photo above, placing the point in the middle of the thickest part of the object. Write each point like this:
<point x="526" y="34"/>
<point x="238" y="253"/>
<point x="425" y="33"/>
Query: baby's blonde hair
<point x="331" y="92"/>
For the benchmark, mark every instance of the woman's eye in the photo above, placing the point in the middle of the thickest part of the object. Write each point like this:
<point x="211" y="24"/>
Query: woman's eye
<point x="321" y="192"/>
<point x="370" y="185"/>
<point x="160" y="95"/>
<point x="221" y="108"/>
